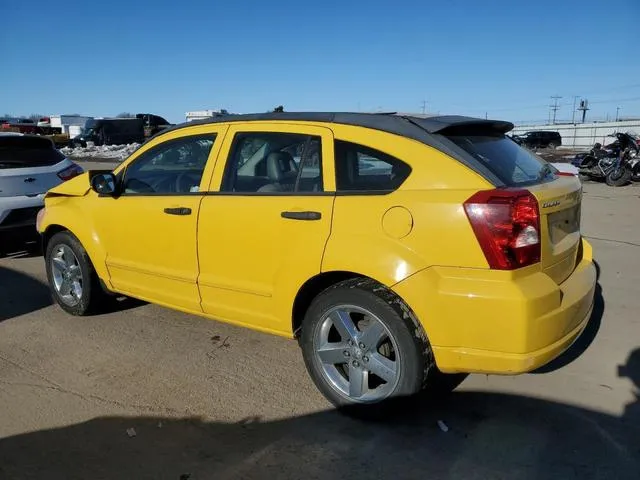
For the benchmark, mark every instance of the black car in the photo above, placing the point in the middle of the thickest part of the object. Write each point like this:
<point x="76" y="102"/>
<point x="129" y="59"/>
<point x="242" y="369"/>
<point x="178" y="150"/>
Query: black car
<point x="539" y="139"/>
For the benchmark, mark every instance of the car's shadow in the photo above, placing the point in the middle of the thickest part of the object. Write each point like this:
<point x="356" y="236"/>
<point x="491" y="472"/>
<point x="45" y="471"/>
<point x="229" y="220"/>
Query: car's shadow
<point x="472" y="435"/>
<point x="21" y="294"/>
<point x="119" y="304"/>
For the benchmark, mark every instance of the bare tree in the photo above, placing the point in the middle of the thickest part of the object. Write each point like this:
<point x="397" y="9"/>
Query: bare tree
<point x="125" y="115"/>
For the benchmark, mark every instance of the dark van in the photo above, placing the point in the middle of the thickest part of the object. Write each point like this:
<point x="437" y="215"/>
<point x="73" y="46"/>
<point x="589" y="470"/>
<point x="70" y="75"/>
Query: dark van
<point x="111" y="131"/>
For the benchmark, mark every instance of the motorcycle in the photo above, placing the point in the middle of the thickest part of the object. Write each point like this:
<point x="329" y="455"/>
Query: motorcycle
<point x="617" y="163"/>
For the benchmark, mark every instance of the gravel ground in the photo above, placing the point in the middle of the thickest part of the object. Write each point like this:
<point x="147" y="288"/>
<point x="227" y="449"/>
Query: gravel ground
<point x="146" y="392"/>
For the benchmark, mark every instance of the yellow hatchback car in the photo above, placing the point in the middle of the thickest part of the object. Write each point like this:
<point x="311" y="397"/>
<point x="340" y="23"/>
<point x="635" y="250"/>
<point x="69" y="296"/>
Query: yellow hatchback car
<point x="403" y="253"/>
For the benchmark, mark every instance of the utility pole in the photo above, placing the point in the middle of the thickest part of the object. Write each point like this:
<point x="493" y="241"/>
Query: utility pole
<point x="555" y="107"/>
<point x="573" y="112"/>
<point x="617" y="111"/>
<point x="424" y="107"/>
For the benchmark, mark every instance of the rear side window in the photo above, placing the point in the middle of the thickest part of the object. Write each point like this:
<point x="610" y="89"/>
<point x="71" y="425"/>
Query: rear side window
<point x="512" y="164"/>
<point x="363" y="169"/>
<point x="25" y="152"/>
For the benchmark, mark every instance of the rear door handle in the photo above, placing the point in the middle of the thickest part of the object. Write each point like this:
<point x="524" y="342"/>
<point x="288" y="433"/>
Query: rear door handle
<point x="178" y="211"/>
<point x="308" y="216"/>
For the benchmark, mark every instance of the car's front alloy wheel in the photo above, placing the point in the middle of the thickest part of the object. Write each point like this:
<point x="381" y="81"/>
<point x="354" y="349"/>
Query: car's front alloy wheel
<point x="66" y="274"/>
<point x="73" y="281"/>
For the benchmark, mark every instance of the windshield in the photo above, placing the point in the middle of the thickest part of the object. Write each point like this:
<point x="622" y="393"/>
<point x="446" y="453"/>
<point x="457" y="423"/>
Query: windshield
<point x="508" y="161"/>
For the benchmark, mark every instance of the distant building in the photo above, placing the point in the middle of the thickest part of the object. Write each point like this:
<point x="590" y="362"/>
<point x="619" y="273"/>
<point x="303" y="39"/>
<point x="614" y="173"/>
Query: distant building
<point x="73" y="125"/>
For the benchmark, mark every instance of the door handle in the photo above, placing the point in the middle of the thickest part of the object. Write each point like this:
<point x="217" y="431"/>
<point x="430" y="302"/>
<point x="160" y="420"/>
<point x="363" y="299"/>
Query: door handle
<point x="178" y="211"/>
<point x="308" y="216"/>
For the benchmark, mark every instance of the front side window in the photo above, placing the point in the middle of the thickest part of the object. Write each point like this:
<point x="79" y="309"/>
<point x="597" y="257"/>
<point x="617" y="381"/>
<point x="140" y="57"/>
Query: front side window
<point x="360" y="168"/>
<point x="269" y="162"/>
<point x="171" y="168"/>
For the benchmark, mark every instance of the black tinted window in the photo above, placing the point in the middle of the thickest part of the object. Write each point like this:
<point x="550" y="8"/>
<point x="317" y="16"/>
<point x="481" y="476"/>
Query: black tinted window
<point x="512" y="164"/>
<point x="360" y="168"/>
<point x="267" y="162"/>
<point x="17" y="151"/>
<point x="174" y="167"/>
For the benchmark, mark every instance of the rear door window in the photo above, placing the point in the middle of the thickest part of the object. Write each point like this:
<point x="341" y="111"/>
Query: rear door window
<point x="512" y="164"/>
<point x="274" y="163"/>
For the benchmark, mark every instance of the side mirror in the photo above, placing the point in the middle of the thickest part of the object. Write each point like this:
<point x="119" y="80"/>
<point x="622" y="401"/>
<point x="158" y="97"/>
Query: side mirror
<point x="104" y="183"/>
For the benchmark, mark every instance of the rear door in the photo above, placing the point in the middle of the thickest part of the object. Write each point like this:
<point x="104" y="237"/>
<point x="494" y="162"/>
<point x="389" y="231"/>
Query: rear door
<point x="263" y="228"/>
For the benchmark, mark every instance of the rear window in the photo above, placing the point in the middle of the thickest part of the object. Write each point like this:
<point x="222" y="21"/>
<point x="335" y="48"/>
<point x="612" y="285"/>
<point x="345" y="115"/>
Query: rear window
<point x="512" y="164"/>
<point x="23" y="152"/>
<point x="364" y="169"/>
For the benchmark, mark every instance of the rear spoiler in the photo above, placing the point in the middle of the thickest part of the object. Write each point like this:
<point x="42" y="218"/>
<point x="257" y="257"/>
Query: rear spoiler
<point x="459" y="125"/>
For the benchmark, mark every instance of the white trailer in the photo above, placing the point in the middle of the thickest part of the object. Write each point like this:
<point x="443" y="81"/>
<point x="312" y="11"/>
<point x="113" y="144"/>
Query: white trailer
<point x="72" y="125"/>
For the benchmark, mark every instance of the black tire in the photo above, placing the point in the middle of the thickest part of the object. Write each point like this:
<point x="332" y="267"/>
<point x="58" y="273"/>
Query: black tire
<point x="553" y="145"/>
<point x="416" y="364"/>
<point x="618" y="177"/>
<point x="93" y="297"/>
<point x="635" y="173"/>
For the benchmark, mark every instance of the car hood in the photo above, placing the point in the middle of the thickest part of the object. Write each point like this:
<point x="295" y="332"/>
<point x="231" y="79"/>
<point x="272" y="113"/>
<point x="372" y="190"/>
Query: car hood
<point x="76" y="187"/>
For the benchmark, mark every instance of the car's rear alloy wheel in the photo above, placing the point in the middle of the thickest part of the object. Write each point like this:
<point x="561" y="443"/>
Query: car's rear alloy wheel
<point x="73" y="281"/>
<point x="357" y="354"/>
<point x="363" y="345"/>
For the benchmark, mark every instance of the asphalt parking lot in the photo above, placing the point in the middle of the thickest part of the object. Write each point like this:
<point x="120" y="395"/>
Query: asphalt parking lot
<point x="146" y="392"/>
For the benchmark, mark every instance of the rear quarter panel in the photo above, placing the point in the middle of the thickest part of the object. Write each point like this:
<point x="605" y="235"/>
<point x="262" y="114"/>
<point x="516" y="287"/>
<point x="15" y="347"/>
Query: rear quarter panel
<point x="389" y="237"/>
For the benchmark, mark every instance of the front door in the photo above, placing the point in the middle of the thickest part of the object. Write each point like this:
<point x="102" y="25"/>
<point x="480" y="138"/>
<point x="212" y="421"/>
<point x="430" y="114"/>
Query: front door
<point x="149" y="230"/>
<point x="263" y="234"/>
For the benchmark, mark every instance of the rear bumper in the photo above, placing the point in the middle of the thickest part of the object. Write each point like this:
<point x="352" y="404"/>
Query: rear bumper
<point x="18" y="212"/>
<point x="487" y="321"/>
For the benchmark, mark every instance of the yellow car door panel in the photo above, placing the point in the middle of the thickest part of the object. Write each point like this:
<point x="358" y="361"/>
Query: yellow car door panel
<point x="264" y="233"/>
<point x="149" y="230"/>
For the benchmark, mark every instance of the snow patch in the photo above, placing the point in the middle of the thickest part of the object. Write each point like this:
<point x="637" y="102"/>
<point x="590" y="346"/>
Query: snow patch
<point x="113" y="152"/>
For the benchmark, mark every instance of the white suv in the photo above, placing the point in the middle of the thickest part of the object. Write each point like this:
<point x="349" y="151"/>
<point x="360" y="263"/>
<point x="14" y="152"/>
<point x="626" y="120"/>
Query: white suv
<point x="29" y="166"/>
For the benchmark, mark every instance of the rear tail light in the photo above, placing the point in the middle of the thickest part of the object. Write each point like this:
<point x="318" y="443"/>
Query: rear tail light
<point x="39" y="218"/>
<point x="70" y="172"/>
<point x="507" y="226"/>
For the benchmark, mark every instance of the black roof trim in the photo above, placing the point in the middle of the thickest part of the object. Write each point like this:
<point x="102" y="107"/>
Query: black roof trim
<point x="404" y="125"/>
<point x="430" y="130"/>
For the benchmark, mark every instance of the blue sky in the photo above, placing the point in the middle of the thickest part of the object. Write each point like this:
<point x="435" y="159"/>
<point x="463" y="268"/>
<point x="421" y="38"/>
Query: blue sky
<point x="505" y="58"/>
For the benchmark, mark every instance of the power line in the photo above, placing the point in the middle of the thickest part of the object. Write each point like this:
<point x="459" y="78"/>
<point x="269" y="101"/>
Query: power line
<point x="615" y="100"/>
<point x="555" y="107"/>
